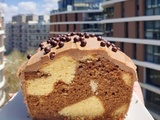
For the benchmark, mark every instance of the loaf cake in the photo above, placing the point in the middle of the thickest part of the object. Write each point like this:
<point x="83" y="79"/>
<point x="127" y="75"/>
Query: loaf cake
<point x="77" y="76"/>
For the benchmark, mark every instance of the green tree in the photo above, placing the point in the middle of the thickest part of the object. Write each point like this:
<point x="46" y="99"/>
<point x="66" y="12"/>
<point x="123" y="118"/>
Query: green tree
<point x="13" y="62"/>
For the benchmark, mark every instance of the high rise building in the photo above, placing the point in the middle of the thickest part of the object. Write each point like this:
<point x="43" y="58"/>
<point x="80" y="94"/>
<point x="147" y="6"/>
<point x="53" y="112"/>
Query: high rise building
<point x="25" y="32"/>
<point x="134" y="26"/>
<point x="85" y="19"/>
<point x="2" y="63"/>
<point x="78" y="4"/>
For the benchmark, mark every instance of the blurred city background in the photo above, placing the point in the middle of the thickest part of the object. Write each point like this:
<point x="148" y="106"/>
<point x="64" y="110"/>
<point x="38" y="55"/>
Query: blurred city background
<point x="132" y="25"/>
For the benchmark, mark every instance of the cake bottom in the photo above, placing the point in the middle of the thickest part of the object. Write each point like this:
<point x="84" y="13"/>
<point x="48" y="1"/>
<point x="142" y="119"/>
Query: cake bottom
<point x="100" y="90"/>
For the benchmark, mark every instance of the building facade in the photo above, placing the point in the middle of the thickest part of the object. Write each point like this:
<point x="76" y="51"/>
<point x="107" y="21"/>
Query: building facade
<point x="26" y="34"/>
<point x="134" y="26"/>
<point x="2" y="63"/>
<point x="72" y="21"/>
<point x="63" y="5"/>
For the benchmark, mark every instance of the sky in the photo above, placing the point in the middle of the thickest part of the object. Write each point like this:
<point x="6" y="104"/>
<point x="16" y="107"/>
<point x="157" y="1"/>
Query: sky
<point x="15" y="7"/>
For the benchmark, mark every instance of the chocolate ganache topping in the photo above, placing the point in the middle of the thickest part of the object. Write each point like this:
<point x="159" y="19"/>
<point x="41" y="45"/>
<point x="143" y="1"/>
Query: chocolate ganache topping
<point x="81" y="41"/>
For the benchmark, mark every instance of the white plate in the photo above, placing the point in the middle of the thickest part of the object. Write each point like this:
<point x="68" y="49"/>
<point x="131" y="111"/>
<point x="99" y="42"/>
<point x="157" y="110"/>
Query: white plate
<point x="15" y="109"/>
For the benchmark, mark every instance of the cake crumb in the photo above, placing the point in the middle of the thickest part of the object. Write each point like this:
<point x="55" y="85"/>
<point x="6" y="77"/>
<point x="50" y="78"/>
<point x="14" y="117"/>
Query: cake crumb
<point x="94" y="86"/>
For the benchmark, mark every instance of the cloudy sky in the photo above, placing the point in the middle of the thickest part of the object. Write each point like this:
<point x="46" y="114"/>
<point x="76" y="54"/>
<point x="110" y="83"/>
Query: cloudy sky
<point x="14" y="7"/>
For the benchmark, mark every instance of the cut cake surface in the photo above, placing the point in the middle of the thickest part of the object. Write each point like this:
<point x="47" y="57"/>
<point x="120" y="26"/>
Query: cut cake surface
<point x="77" y="77"/>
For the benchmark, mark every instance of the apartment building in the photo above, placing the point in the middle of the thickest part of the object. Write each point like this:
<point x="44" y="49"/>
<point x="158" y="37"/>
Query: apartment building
<point x="134" y="26"/>
<point x="2" y="63"/>
<point x="25" y="32"/>
<point x="76" y="15"/>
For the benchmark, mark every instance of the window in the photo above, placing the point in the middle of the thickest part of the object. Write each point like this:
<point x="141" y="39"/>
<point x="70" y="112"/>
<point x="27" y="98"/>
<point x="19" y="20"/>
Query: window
<point x="137" y="8"/>
<point x="152" y="7"/>
<point x="122" y="9"/>
<point x="152" y="30"/>
<point x="152" y="53"/>
<point x="153" y="99"/>
<point x="108" y="29"/>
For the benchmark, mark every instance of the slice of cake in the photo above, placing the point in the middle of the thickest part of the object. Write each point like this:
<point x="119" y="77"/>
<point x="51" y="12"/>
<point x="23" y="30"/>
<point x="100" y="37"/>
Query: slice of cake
<point x="77" y="76"/>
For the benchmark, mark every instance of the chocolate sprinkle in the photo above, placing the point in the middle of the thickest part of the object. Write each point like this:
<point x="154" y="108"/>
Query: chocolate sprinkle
<point x="41" y="44"/>
<point x="48" y="41"/>
<point x="57" y="39"/>
<point x="114" y="49"/>
<point x="68" y="39"/>
<point x="92" y="35"/>
<point x="99" y="38"/>
<point x="52" y="55"/>
<point x="81" y="38"/>
<point x="76" y="39"/>
<point x="81" y="34"/>
<point x="86" y="36"/>
<point x="29" y="56"/>
<point x="47" y="49"/>
<point x="42" y="47"/>
<point x="83" y="43"/>
<point x="72" y="34"/>
<point x="53" y="43"/>
<point x="103" y="43"/>
<point x="63" y="39"/>
<point x="108" y="44"/>
<point x="61" y="44"/>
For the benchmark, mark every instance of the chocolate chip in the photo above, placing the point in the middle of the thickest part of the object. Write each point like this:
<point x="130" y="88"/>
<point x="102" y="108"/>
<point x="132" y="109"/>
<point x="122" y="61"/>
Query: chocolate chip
<point x="42" y="47"/>
<point x="61" y="44"/>
<point x="92" y="35"/>
<point x="52" y="38"/>
<point x="68" y="39"/>
<point x="57" y="39"/>
<point x="53" y="43"/>
<point x="86" y="36"/>
<point x="48" y="41"/>
<point x="29" y="56"/>
<point x="108" y="44"/>
<point x="76" y="39"/>
<point x="63" y="39"/>
<point x="118" y="48"/>
<point x="81" y="34"/>
<point x="52" y="55"/>
<point x="69" y="34"/>
<point x="83" y="43"/>
<point x="103" y="43"/>
<point x="78" y="33"/>
<point x="81" y="38"/>
<point x="73" y="33"/>
<point x="113" y="45"/>
<point x="99" y="38"/>
<point x="59" y="35"/>
<point x="47" y="49"/>
<point x="114" y="49"/>
<point x="41" y="44"/>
